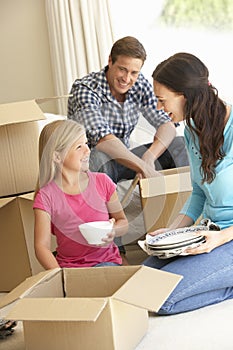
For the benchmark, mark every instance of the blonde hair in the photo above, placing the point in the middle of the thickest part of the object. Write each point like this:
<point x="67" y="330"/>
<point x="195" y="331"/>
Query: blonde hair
<point x="55" y="137"/>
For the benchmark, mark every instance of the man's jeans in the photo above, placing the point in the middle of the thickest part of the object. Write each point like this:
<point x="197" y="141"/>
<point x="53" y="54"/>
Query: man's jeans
<point x="175" y="156"/>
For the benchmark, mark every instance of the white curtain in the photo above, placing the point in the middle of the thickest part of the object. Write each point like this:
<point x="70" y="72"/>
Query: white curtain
<point x="80" y="37"/>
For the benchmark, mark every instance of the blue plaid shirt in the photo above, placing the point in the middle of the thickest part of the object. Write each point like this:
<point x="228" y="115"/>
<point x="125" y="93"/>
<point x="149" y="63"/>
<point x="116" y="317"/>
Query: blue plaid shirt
<point x="93" y="105"/>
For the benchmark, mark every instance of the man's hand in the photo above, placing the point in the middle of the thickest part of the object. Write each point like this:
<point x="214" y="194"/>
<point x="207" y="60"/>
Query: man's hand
<point x="148" y="171"/>
<point x="112" y="146"/>
<point x="149" y="166"/>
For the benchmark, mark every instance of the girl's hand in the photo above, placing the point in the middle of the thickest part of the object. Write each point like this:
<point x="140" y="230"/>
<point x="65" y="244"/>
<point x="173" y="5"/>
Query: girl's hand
<point x="213" y="240"/>
<point x="110" y="236"/>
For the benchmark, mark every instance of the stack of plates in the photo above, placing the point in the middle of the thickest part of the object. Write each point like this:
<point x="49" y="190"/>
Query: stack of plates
<point x="175" y="242"/>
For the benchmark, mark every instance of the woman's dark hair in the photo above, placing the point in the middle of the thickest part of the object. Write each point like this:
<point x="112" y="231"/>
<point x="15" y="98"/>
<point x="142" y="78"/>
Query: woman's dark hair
<point x="204" y="111"/>
<point x="128" y="46"/>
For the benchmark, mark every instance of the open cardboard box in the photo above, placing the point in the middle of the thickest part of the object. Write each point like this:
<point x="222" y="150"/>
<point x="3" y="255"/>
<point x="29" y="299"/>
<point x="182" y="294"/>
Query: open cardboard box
<point x="88" y="308"/>
<point x="163" y="197"/>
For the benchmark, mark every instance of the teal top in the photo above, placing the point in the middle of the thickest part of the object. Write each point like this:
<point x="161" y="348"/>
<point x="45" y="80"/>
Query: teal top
<point x="214" y="200"/>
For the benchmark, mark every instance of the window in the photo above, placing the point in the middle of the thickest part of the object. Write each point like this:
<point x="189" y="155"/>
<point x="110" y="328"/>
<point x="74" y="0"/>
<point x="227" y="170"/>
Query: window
<point x="141" y="18"/>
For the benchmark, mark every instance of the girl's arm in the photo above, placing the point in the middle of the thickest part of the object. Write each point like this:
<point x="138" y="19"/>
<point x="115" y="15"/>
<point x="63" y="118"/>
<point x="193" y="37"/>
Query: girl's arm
<point x="42" y="240"/>
<point x="116" y="212"/>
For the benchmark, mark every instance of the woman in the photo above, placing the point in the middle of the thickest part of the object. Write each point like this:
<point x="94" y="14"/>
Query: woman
<point x="181" y="84"/>
<point x="68" y="194"/>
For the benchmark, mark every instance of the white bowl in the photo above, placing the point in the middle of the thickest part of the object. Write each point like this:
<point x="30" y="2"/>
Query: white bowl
<point x="94" y="231"/>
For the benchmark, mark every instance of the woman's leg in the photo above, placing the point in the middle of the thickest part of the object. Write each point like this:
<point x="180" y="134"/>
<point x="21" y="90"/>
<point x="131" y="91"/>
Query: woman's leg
<point x="207" y="279"/>
<point x="157" y="263"/>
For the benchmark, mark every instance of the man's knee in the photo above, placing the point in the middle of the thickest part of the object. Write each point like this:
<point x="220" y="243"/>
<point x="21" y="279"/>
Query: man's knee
<point x="178" y="151"/>
<point x="100" y="162"/>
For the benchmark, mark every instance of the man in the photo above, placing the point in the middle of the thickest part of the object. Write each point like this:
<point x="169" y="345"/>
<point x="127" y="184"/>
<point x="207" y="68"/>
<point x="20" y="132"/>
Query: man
<point x="109" y="102"/>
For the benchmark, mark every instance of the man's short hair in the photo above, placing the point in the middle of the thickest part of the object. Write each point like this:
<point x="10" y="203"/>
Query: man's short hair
<point x="128" y="46"/>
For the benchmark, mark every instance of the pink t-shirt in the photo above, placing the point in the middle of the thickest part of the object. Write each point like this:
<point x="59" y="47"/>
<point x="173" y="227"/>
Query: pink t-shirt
<point x="67" y="212"/>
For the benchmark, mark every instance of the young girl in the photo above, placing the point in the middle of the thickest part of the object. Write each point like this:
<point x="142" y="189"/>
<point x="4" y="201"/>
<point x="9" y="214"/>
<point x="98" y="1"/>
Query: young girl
<point x="68" y="195"/>
<point x="181" y="84"/>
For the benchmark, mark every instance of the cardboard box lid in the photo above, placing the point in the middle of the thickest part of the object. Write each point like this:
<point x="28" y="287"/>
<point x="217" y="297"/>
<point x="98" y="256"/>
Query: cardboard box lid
<point x="20" y="112"/>
<point x="148" y="288"/>
<point x="137" y="285"/>
<point x="26" y="286"/>
<point x="5" y="200"/>
<point x="173" y="181"/>
<point x="58" y="309"/>
<point x="24" y="111"/>
<point x="48" y="99"/>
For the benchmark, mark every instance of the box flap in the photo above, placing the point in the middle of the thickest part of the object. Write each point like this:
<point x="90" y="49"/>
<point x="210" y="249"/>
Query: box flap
<point x="29" y="196"/>
<point x="172" y="183"/>
<point x="47" y="99"/>
<point x="148" y="288"/>
<point x="95" y="283"/>
<point x="26" y="286"/>
<point x="182" y="169"/>
<point x="20" y="112"/>
<point x="4" y="201"/>
<point x="58" y="309"/>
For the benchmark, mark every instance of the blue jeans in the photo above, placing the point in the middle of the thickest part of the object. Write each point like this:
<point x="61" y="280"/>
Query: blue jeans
<point x="176" y="156"/>
<point x="107" y="263"/>
<point x="207" y="279"/>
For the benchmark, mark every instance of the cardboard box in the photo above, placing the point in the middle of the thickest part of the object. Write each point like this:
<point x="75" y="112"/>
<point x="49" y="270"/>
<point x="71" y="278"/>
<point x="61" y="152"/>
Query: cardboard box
<point x="17" y="257"/>
<point x="88" y="308"/>
<point x="163" y="196"/>
<point x="19" y="136"/>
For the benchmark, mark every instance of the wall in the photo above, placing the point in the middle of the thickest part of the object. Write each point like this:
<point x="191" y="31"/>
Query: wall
<point x="25" y="67"/>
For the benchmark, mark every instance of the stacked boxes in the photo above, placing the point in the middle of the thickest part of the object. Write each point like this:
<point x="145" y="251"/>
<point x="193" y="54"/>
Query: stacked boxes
<point x="19" y="136"/>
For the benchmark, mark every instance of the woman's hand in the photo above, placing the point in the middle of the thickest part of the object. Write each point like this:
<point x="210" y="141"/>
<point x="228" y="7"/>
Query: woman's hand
<point x="158" y="232"/>
<point x="214" y="239"/>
